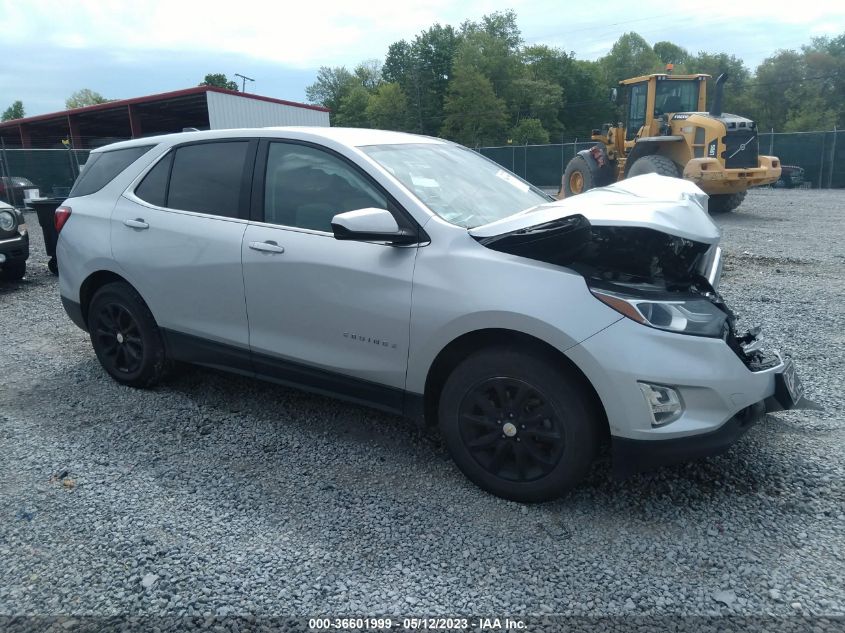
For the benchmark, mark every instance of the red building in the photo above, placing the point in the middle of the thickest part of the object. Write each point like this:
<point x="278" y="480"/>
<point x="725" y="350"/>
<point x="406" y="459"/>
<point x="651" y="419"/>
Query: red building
<point x="203" y="108"/>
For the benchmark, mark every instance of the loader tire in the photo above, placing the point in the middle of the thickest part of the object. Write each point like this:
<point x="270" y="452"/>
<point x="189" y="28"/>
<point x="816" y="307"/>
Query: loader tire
<point x="654" y="164"/>
<point x="577" y="178"/>
<point x="725" y="202"/>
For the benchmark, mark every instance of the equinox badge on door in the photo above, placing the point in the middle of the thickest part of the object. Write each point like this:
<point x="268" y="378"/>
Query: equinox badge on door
<point x="368" y="339"/>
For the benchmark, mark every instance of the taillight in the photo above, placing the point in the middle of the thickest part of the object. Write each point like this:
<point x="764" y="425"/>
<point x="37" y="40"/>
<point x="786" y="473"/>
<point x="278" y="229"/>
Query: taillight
<point x="61" y="217"/>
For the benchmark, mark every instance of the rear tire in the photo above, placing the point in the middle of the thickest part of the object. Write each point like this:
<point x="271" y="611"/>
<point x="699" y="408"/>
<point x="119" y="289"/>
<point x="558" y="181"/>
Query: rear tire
<point x="577" y="178"/>
<point x="13" y="271"/>
<point x="517" y="425"/>
<point x="725" y="202"/>
<point x="125" y="336"/>
<point x="654" y="164"/>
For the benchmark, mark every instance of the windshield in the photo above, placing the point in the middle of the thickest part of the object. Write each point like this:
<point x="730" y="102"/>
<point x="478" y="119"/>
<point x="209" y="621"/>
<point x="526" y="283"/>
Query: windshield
<point x="458" y="184"/>
<point x="675" y="95"/>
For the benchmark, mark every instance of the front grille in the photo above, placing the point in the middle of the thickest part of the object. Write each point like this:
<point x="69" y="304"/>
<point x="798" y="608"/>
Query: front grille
<point x="740" y="148"/>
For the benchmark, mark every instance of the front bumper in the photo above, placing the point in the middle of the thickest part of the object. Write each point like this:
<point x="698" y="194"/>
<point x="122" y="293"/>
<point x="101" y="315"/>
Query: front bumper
<point x="722" y="397"/>
<point x="14" y="248"/>
<point x="633" y="456"/>
<point x="713" y="178"/>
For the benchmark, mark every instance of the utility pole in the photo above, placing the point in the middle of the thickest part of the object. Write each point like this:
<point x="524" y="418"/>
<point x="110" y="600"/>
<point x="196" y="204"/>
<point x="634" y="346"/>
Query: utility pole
<point x="244" y="79"/>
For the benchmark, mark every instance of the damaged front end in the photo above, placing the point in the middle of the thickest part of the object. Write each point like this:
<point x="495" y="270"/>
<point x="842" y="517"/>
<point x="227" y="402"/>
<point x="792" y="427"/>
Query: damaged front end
<point x="647" y="249"/>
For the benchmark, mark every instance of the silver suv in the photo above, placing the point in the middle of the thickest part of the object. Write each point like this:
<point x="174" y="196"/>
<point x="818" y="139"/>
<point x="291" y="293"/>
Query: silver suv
<point x="413" y="275"/>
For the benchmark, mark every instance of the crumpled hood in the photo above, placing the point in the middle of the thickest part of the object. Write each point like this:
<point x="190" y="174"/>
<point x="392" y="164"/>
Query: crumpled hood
<point x="670" y="205"/>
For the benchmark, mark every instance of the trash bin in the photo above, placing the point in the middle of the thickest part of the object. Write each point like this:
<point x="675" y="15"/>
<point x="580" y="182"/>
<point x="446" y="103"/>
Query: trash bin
<point x="46" y="210"/>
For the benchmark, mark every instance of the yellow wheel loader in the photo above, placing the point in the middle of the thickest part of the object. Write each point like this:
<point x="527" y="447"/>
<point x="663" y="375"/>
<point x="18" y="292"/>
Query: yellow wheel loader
<point x="668" y="131"/>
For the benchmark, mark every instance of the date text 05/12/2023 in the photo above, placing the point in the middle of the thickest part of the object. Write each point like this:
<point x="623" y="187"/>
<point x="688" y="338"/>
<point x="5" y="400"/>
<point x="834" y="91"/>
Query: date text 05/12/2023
<point x="417" y="624"/>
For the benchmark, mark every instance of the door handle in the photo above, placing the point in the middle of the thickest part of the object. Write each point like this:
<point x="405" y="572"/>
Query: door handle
<point x="267" y="247"/>
<point x="137" y="223"/>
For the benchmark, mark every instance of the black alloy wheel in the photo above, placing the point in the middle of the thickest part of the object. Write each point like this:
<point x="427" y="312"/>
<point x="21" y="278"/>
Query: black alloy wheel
<point x="519" y="423"/>
<point x="125" y="336"/>
<point x="510" y="429"/>
<point x="119" y="338"/>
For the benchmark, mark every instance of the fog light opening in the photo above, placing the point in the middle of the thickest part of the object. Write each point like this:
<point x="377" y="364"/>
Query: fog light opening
<point x="664" y="403"/>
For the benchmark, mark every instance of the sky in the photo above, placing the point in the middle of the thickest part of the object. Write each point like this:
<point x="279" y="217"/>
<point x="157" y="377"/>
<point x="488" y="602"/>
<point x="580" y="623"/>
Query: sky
<point x="125" y="49"/>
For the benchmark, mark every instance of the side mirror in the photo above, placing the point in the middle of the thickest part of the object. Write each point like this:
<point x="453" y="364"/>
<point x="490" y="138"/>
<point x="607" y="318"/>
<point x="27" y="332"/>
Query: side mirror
<point x="614" y="96"/>
<point x="370" y="225"/>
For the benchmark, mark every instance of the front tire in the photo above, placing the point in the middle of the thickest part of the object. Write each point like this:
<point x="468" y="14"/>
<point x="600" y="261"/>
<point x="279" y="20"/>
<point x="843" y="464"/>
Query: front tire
<point x="517" y="425"/>
<point x="125" y="336"/>
<point x="725" y="202"/>
<point x="577" y="178"/>
<point x="654" y="164"/>
<point x="13" y="271"/>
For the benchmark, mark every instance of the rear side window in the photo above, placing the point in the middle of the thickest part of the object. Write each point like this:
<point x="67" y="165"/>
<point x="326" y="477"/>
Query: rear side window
<point x="103" y="167"/>
<point x="207" y="178"/>
<point x="153" y="187"/>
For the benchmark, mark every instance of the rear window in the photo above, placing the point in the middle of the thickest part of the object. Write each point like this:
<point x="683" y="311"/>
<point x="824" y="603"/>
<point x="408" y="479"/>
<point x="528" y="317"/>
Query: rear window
<point x="153" y="187"/>
<point x="102" y="167"/>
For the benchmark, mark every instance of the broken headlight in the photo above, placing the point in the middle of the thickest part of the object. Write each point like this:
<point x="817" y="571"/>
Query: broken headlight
<point x="690" y="315"/>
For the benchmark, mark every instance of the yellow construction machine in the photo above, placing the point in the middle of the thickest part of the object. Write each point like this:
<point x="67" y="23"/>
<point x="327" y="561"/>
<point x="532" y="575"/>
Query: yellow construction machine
<point x="669" y="131"/>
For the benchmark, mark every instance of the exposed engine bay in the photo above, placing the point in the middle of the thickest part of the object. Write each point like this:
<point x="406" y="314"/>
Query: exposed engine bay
<point x="642" y="267"/>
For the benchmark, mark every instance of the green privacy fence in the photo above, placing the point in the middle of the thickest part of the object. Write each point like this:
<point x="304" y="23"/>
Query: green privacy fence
<point x="52" y="171"/>
<point x="821" y="154"/>
<point x="541" y="165"/>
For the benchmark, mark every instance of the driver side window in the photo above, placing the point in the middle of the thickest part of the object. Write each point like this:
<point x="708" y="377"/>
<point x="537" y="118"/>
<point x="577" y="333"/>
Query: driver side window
<point x="305" y="187"/>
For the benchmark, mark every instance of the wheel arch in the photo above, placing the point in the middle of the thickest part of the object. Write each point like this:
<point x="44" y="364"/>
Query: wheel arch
<point x="464" y="345"/>
<point x="93" y="283"/>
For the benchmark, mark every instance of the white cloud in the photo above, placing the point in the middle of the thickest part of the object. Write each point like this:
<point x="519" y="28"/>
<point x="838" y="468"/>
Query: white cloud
<point x="301" y="34"/>
<point x="308" y="34"/>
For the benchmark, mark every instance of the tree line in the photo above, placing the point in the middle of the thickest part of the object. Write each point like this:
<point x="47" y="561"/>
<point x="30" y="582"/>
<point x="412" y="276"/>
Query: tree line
<point x="481" y="84"/>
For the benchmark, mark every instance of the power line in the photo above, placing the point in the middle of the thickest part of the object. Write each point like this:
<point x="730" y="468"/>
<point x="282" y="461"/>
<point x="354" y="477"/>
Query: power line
<point x="244" y="79"/>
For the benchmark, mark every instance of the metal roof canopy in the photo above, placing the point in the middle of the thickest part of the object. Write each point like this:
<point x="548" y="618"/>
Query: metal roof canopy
<point x="96" y="125"/>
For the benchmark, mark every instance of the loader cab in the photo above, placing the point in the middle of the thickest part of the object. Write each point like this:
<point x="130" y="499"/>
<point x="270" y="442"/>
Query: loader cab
<point x="649" y="97"/>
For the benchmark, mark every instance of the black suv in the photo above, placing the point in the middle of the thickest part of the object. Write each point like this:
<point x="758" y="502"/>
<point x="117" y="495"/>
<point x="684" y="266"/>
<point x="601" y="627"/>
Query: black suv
<point x="790" y="176"/>
<point x="14" y="243"/>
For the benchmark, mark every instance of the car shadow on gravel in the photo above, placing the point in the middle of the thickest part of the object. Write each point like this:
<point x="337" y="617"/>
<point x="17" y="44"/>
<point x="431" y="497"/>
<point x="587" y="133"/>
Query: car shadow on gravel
<point x="37" y="276"/>
<point x="18" y="286"/>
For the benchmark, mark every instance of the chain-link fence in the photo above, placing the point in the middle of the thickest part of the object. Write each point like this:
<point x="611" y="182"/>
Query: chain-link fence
<point x="820" y="154"/>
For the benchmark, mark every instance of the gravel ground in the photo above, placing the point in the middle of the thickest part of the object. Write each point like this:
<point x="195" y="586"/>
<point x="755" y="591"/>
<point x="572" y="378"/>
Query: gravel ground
<point x="216" y="495"/>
